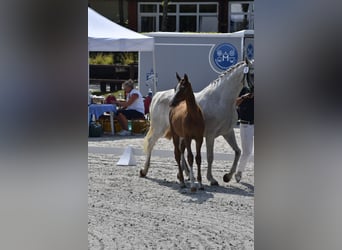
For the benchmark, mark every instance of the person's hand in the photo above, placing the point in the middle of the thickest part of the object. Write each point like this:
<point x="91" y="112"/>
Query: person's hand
<point x="248" y="95"/>
<point x="119" y="103"/>
<point x="245" y="96"/>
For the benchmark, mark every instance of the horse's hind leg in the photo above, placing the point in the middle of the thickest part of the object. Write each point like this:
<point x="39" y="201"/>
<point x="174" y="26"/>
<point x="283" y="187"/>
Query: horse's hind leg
<point x="199" y="142"/>
<point x="230" y="138"/>
<point x="149" y="141"/>
<point x="210" y="159"/>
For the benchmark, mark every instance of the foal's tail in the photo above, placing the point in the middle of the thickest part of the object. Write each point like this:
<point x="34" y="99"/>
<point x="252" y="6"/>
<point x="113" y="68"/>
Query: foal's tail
<point x="168" y="133"/>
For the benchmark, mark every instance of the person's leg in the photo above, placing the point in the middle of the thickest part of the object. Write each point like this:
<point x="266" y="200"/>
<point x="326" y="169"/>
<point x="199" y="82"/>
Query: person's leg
<point x="124" y="115"/>
<point x="246" y="134"/>
<point x="122" y="121"/>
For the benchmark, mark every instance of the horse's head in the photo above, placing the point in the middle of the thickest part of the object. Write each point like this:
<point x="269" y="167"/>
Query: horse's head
<point x="182" y="90"/>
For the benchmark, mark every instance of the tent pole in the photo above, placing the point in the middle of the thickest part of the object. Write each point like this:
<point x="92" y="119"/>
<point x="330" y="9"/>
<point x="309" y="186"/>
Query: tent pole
<point x="154" y="72"/>
<point x="89" y="99"/>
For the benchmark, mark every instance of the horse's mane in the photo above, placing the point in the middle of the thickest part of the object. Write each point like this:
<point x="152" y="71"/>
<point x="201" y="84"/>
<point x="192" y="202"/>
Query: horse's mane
<point x="228" y="71"/>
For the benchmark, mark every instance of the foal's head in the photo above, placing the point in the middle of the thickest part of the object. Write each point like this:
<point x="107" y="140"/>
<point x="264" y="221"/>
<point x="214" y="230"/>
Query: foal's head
<point x="182" y="90"/>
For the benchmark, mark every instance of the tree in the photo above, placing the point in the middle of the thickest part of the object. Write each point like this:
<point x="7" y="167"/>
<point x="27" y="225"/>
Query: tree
<point x="245" y="19"/>
<point x="121" y="12"/>
<point x="165" y="4"/>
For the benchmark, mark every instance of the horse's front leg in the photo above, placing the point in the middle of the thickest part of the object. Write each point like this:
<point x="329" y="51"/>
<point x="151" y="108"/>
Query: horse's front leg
<point x="199" y="142"/>
<point x="191" y="163"/>
<point x="210" y="159"/>
<point x="230" y="138"/>
<point x="185" y="166"/>
<point x="177" y="152"/>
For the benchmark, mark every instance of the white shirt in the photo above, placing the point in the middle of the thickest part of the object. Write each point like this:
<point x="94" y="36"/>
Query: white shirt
<point x="138" y="104"/>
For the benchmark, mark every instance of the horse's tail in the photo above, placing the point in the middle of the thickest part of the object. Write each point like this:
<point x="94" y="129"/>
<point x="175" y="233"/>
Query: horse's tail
<point x="152" y="136"/>
<point x="168" y="133"/>
<point x="147" y="138"/>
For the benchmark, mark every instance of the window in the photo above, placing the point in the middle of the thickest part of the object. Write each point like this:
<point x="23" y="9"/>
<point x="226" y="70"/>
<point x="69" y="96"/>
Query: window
<point x="188" y="8"/>
<point x="207" y="23"/>
<point x="147" y="8"/>
<point x="182" y="17"/>
<point x="148" y="23"/>
<point x="241" y="16"/>
<point x="187" y="23"/>
<point x="171" y="8"/>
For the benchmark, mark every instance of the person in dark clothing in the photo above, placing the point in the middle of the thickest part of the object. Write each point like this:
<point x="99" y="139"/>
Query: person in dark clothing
<point x="245" y="108"/>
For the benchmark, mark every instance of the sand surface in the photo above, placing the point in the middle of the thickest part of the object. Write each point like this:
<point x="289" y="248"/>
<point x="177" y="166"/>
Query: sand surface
<point x="129" y="212"/>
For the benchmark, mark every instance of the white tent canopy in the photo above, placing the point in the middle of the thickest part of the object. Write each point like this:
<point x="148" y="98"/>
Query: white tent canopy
<point x="105" y="35"/>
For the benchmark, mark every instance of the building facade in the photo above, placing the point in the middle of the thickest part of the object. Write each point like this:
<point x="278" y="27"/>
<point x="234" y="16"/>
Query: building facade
<point x="182" y="16"/>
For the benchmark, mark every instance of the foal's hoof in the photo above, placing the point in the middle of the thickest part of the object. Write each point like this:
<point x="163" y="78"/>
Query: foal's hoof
<point x="142" y="174"/>
<point x="227" y="177"/>
<point x="193" y="189"/>
<point x="214" y="183"/>
<point x="238" y="176"/>
<point x="182" y="185"/>
<point x="179" y="177"/>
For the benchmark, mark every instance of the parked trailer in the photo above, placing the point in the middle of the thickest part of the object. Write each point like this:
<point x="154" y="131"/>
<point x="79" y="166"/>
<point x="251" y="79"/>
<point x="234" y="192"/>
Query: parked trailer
<point x="203" y="56"/>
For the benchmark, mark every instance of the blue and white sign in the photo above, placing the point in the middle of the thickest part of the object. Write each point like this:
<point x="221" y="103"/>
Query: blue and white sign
<point x="149" y="78"/>
<point x="250" y="51"/>
<point x="149" y="75"/>
<point x="225" y="55"/>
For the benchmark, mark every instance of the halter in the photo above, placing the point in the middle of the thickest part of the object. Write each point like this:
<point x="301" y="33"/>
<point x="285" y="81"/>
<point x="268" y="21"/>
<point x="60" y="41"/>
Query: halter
<point x="247" y="78"/>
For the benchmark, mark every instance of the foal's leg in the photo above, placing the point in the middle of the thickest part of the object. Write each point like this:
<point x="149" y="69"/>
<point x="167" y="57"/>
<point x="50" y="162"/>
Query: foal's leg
<point x="199" y="142"/>
<point x="230" y="138"/>
<point x="210" y="158"/>
<point x="191" y="163"/>
<point x="183" y="161"/>
<point x="177" y="152"/>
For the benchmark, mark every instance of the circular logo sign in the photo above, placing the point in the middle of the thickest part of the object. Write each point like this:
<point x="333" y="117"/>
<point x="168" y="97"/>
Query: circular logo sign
<point x="250" y="51"/>
<point x="225" y="55"/>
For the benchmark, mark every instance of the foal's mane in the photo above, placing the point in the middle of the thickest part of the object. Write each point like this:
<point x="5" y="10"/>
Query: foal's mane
<point x="228" y="71"/>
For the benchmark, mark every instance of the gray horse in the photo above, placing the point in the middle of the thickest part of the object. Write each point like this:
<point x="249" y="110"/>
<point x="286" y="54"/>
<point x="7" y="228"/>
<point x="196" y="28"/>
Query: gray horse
<point x="217" y="101"/>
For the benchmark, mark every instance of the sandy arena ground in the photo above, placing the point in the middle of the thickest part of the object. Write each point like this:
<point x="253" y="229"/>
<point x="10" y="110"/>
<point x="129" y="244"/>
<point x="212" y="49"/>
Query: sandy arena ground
<point x="129" y="212"/>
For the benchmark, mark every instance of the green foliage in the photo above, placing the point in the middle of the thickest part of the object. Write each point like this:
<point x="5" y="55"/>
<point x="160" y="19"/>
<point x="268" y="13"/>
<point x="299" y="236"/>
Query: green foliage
<point x="120" y="94"/>
<point x="101" y="58"/>
<point x="110" y="58"/>
<point x="128" y="58"/>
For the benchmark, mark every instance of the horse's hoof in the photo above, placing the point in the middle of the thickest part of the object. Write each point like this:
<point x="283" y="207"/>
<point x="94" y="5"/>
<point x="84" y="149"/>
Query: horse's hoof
<point x="142" y="174"/>
<point x="193" y="189"/>
<point x="227" y="177"/>
<point x="179" y="177"/>
<point x="201" y="188"/>
<point x="238" y="176"/>
<point x="214" y="183"/>
<point x="182" y="184"/>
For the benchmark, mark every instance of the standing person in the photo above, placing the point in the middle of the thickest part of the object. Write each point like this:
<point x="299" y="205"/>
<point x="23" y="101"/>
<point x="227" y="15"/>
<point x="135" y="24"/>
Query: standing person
<point x="245" y="108"/>
<point x="132" y="108"/>
<point x="147" y="101"/>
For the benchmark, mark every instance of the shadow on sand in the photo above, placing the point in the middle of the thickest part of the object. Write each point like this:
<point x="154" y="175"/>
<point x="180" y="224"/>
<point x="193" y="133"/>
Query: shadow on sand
<point x="200" y="196"/>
